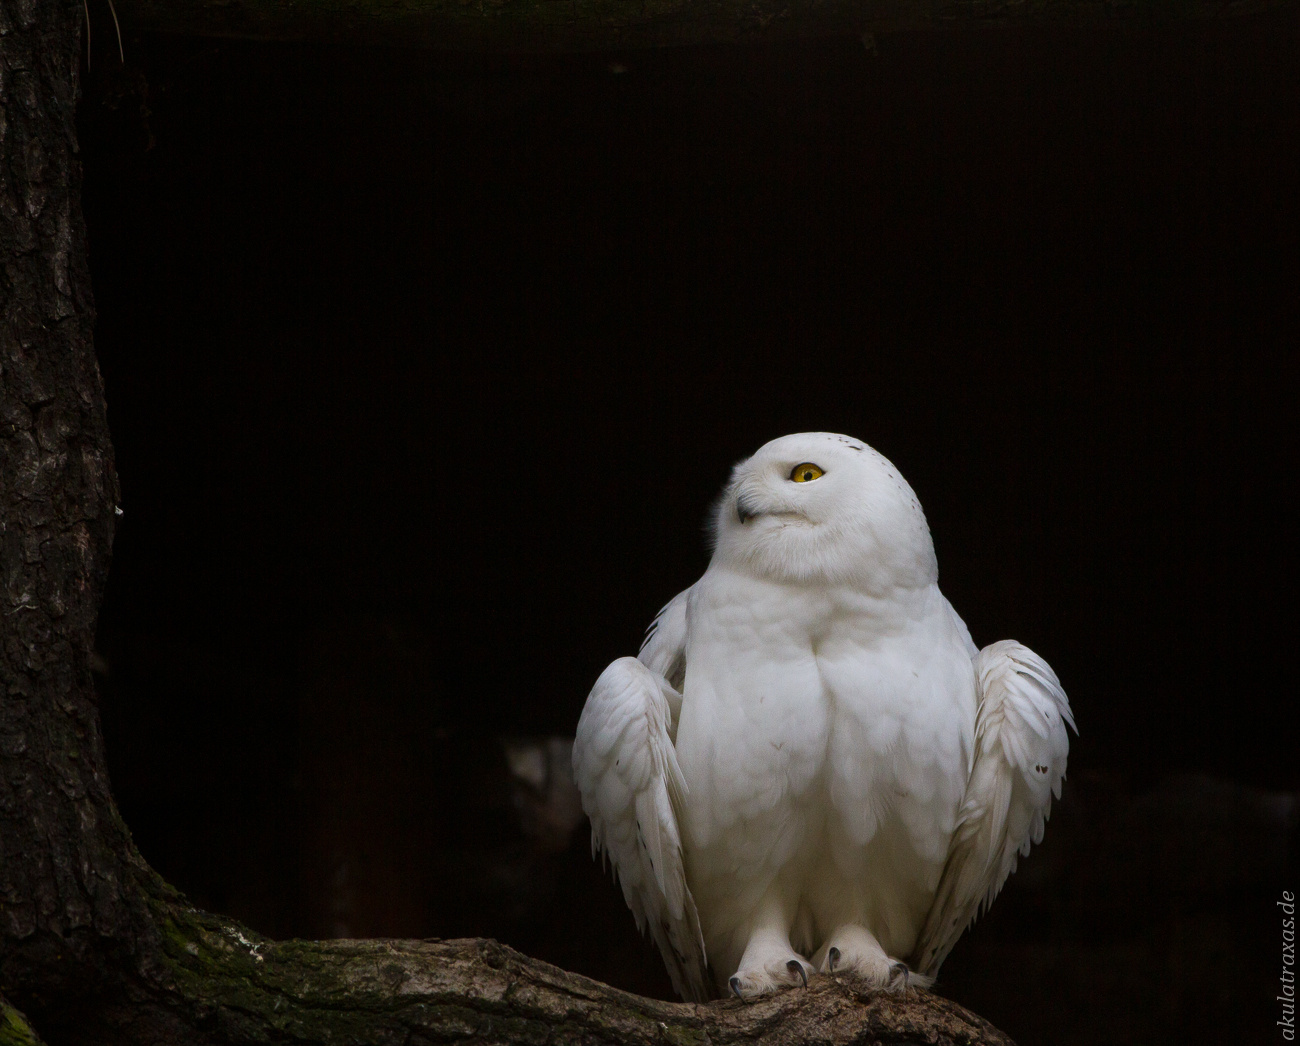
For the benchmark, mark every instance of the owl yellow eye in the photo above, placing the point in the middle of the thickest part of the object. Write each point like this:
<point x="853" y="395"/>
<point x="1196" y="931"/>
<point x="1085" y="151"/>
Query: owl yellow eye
<point x="806" y="473"/>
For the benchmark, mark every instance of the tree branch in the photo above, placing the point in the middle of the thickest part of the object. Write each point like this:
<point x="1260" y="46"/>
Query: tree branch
<point x="245" y="988"/>
<point x="578" y="25"/>
<point x="14" y="1029"/>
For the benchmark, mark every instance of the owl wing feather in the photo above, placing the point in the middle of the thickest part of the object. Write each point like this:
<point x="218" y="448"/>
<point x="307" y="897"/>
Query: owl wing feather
<point x="1021" y="746"/>
<point x="632" y="789"/>
<point x="664" y="648"/>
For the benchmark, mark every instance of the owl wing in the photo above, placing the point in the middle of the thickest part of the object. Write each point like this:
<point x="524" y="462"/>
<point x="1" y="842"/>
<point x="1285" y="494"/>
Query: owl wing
<point x="664" y="648"/>
<point x="1020" y="752"/>
<point x="632" y="789"/>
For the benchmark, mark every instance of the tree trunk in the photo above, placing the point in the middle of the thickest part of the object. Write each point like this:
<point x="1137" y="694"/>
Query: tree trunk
<point x="67" y="866"/>
<point x="94" y="947"/>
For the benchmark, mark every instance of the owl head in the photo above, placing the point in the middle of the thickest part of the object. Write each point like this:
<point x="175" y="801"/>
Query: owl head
<point x="823" y="508"/>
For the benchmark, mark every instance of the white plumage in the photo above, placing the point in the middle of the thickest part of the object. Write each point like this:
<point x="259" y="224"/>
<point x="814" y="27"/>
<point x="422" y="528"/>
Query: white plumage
<point x="810" y="767"/>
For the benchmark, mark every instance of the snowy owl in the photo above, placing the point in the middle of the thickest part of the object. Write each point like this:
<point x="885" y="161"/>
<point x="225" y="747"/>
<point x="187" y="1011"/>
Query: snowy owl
<point x="810" y="768"/>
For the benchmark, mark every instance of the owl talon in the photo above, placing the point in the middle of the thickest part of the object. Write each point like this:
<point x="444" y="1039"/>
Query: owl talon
<point x="768" y="973"/>
<point x="832" y="957"/>
<point x="899" y="969"/>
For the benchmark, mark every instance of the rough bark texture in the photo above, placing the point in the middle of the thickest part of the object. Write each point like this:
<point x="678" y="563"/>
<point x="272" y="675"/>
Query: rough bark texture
<point x="64" y="853"/>
<point x="246" y="989"/>
<point x="544" y="25"/>
<point x="94" y="947"/>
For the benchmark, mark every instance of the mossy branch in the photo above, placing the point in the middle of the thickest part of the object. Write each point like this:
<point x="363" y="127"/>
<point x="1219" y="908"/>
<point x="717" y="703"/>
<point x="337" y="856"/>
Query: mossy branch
<point x="14" y="1029"/>
<point x="247" y="989"/>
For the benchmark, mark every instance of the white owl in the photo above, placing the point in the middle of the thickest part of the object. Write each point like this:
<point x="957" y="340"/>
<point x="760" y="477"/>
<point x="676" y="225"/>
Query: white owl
<point x="810" y="767"/>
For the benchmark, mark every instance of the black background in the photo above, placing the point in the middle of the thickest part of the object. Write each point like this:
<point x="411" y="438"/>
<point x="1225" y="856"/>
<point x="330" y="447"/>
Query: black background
<point x="423" y="371"/>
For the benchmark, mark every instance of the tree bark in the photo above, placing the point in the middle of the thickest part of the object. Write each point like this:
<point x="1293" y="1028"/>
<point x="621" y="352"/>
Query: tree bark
<point x="94" y="947"/>
<point x="66" y="859"/>
<point x="217" y="982"/>
<point x="577" y="25"/>
<point x="225" y="984"/>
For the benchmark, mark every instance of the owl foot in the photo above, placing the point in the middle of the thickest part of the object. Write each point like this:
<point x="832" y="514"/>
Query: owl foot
<point x="752" y="981"/>
<point x="854" y="953"/>
<point x="834" y="958"/>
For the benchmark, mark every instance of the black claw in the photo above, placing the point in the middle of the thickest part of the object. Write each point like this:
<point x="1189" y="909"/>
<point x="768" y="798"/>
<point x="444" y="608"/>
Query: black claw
<point x="832" y="957"/>
<point x="735" y="987"/>
<point x="901" y="968"/>
<point x="795" y="965"/>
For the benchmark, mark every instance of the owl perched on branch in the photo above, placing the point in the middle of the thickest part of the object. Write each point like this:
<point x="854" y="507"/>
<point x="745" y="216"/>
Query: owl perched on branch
<point x="810" y="768"/>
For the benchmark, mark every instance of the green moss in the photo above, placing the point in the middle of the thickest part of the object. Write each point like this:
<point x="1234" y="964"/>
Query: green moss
<point x="685" y="1036"/>
<point x="14" y="1029"/>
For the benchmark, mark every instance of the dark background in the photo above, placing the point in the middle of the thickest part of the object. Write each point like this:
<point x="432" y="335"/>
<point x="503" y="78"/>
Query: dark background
<point x="423" y="371"/>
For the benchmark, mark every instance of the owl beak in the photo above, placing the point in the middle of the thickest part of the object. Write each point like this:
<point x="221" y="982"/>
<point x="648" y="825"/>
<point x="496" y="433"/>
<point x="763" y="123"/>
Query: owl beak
<point x="746" y="510"/>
